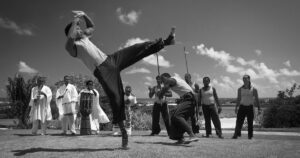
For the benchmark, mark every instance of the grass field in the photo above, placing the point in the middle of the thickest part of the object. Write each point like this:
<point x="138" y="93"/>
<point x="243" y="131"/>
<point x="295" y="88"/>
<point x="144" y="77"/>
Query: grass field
<point x="19" y="143"/>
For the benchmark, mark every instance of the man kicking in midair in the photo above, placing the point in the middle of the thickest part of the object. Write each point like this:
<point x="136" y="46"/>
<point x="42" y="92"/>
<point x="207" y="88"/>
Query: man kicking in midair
<point x="106" y="68"/>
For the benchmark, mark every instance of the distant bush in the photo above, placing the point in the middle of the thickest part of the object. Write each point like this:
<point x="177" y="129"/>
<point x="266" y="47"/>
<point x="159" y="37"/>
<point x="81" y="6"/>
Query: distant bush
<point x="279" y="116"/>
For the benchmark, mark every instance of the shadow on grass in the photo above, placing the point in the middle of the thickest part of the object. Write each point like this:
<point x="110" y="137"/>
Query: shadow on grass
<point x="34" y="150"/>
<point x="165" y="143"/>
<point x="25" y="135"/>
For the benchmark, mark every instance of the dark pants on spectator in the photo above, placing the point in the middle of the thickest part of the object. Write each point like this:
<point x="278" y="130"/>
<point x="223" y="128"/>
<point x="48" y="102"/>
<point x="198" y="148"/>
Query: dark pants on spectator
<point x="108" y="73"/>
<point x="164" y="110"/>
<point x="179" y="118"/>
<point x="242" y="113"/>
<point x="210" y="113"/>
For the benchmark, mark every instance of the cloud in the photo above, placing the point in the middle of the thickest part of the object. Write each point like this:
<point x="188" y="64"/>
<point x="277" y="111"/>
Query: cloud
<point x="138" y="70"/>
<point x="149" y="78"/>
<point x="258" y="70"/>
<point x="24" y="68"/>
<point x="130" y="18"/>
<point x="152" y="60"/>
<point x="287" y="72"/>
<point x="148" y="83"/>
<point x="149" y="60"/>
<point x="257" y="52"/>
<point x="221" y="56"/>
<point x="133" y="41"/>
<point x="11" y="25"/>
<point x="287" y="63"/>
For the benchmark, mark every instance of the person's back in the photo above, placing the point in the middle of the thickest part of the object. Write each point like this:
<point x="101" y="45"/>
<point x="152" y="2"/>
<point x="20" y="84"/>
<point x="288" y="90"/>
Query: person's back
<point x="181" y="87"/>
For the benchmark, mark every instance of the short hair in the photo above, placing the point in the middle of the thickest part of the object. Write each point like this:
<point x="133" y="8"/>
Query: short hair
<point x="246" y="76"/>
<point x="66" y="76"/>
<point x="166" y="75"/>
<point x="187" y="74"/>
<point x="206" y="78"/>
<point x="67" y="28"/>
<point x="41" y="79"/>
<point x="88" y="82"/>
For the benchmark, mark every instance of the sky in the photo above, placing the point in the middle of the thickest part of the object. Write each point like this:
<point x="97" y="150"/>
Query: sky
<point x="223" y="39"/>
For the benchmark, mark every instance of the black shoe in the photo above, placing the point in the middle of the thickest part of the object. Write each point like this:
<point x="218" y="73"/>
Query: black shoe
<point x="234" y="137"/>
<point x="171" y="38"/>
<point x="73" y="134"/>
<point x="180" y="141"/>
<point x="206" y="136"/>
<point x="250" y="138"/>
<point x="220" y="136"/>
<point x="153" y="134"/>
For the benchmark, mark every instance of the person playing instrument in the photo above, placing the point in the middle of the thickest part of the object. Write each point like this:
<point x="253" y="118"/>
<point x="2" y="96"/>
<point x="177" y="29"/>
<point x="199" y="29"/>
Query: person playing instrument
<point x="246" y="100"/>
<point x="209" y="100"/>
<point x="160" y="106"/>
<point x="67" y="97"/>
<point x="40" y="111"/>
<point x="185" y="108"/>
<point x="97" y="115"/>
<point x="106" y="68"/>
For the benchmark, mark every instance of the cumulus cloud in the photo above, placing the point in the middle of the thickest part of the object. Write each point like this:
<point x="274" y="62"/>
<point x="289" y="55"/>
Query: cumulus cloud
<point x="13" y="26"/>
<point x="24" y="68"/>
<point x="138" y="70"/>
<point x="287" y="72"/>
<point x="133" y="41"/>
<point x="254" y="69"/>
<point x="150" y="60"/>
<point x="287" y="63"/>
<point x="149" y="78"/>
<point x="130" y="18"/>
<point x="257" y="52"/>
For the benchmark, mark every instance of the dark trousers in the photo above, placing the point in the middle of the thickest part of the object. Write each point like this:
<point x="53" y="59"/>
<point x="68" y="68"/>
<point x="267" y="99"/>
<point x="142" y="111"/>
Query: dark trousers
<point x="210" y="113"/>
<point x="244" y="111"/>
<point x="179" y="124"/>
<point x="108" y="73"/>
<point x="164" y="110"/>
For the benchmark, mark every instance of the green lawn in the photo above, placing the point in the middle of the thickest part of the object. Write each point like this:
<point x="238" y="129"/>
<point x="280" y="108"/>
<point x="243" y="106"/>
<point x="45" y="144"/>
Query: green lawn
<point x="19" y="143"/>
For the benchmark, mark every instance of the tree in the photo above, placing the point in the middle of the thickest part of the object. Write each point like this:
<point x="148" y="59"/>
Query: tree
<point x="19" y="91"/>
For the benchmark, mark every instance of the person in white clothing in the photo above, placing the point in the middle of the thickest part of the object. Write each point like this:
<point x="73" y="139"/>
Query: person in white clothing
<point x="246" y="100"/>
<point x="97" y="115"/>
<point x="40" y="111"/>
<point x="66" y="99"/>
